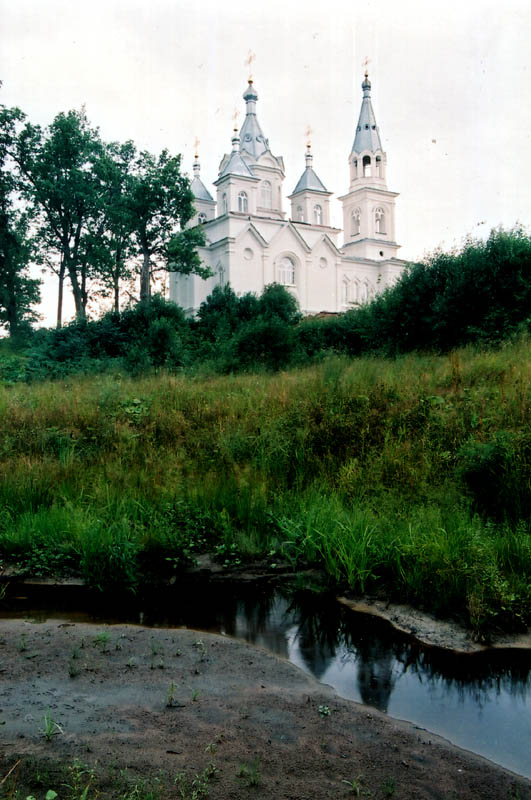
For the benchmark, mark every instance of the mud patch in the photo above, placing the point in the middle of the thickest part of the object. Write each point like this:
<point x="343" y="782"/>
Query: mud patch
<point x="161" y="701"/>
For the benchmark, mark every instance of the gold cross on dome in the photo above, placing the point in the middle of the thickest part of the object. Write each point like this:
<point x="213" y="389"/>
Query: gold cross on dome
<point x="235" y="118"/>
<point x="308" y="133"/>
<point x="365" y="63"/>
<point x="248" y="61"/>
<point x="196" y="146"/>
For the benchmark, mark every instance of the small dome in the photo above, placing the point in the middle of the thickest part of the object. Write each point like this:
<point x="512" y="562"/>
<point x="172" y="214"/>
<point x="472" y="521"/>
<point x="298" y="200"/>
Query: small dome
<point x="250" y="93"/>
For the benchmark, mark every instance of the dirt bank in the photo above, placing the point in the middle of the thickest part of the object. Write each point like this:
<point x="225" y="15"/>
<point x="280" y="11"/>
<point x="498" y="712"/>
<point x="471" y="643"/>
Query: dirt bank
<point x="429" y="630"/>
<point x="145" y="700"/>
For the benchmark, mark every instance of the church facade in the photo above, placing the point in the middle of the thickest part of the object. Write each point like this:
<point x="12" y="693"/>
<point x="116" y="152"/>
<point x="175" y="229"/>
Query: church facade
<point x="251" y="242"/>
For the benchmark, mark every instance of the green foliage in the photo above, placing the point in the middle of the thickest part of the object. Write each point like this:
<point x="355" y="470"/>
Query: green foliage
<point x="481" y="293"/>
<point x="407" y="476"/>
<point x="497" y="474"/>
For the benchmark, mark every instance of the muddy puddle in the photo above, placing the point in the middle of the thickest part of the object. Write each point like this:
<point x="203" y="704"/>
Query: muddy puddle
<point x="477" y="701"/>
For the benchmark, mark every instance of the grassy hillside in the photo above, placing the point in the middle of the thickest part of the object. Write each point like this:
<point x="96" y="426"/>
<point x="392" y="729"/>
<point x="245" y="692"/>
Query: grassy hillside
<point x="412" y="476"/>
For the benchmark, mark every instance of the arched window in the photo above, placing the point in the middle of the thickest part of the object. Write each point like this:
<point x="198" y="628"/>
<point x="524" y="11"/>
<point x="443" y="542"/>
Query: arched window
<point x="221" y="273"/>
<point x="364" y="293"/>
<point x="355" y="291"/>
<point x="201" y="218"/>
<point x="265" y="194"/>
<point x="318" y="215"/>
<point x="243" y="203"/>
<point x="300" y="214"/>
<point x="286" y="271"/>
<point x="224" y="205"/>
<point x="378" y="167"/>
<point x="355" y="222"/>
<point x="345" y="291"/>
<point x="367" y="171"/>
<point x="379" y="220"/>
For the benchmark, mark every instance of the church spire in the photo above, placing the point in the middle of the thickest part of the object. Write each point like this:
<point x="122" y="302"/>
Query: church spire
<point x="367" y="159"/>
<point x="367" y="134"/>
<point x="197" y="186"/>
<point x="253" y="141"/>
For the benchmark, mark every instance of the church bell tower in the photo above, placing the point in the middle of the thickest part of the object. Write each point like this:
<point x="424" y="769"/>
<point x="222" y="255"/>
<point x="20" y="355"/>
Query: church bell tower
<point x="369" y="206"/>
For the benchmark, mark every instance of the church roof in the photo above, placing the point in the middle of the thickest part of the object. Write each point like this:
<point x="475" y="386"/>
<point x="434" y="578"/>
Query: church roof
<point x="235" y="164"/>
<point x="367" y="134"/>
<point x="200" y="191"/>
<point x="252" y="138"/>
<point x="309" y="180"/>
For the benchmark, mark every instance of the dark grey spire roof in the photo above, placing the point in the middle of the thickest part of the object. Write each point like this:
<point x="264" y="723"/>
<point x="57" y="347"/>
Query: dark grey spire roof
<point x="309" y="179"/>
<point x="252" y="138"/>
<point x="199" y="189"/>
<point x="367" y="134"/>
<point x="236" y="165"/>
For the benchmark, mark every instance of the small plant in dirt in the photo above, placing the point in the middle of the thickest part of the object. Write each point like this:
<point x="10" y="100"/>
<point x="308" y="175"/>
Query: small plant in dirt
<point x="170" y="697"/>
<point x="22" y="646"/>
<point x="388" y="787"/>
<point x="201" y="649"/>
<point x="324" y="711"/>
<point x="195" y="695"/>
<point x="102" y="640"/>
<point x="131" y="663"/>
<point x="50" y="795"/>
<point x="198" y="786"/>
<point x="73" y="669"/>
<point x="228" y="555"/>
<point x="80" y="779"/>
<point x="354" y="785"/>
<point x="250" y="773"/>
<point x="75" y="654"/>
<point x="50" y="727"/>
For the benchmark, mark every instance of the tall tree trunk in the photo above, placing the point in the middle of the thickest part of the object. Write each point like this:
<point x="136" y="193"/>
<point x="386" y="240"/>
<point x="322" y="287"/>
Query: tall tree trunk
<point x="61" y="275"/>
<point x="145" y="278"/>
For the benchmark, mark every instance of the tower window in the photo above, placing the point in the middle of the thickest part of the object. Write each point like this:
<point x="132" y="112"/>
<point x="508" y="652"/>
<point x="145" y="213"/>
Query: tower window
<point x="265" y="194"/>
<point x="286" y="271"/>
<point x="243" y="202"/>
<point x="355" y="222"/>
<point x="378" y="167"/>
<point x="367" y="171"/>
<point x="379" y="220"/>
<point x="318" y="215"/>
<point x="224" y="205"/>
<point x="202" y="218"/>
<point x="300" y="214"/>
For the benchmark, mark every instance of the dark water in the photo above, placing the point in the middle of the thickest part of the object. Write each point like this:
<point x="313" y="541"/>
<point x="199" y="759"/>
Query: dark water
<point x="479" y="702"/>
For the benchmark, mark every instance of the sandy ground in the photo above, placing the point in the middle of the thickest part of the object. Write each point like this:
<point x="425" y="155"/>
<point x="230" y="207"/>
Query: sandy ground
<point x="173" y="700"/>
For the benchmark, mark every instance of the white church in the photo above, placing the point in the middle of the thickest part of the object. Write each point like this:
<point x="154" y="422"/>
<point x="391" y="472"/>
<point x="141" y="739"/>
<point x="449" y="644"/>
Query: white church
<point x="250" y="243"/>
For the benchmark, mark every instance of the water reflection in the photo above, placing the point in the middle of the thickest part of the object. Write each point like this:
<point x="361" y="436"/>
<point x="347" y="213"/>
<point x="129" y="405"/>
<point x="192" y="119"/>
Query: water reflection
<point x="477" y="701"/>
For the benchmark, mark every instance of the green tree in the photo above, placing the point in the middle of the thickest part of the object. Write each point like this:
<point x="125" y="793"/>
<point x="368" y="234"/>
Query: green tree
<point x="58" y="180"/>
<point x="110" y="237"/>
<point x="160" y="204"/>
<point x="18" y="292"/>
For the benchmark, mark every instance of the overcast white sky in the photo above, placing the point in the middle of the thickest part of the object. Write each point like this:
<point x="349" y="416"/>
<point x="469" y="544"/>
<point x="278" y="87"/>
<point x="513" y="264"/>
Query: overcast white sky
<point x="451" y="88"/>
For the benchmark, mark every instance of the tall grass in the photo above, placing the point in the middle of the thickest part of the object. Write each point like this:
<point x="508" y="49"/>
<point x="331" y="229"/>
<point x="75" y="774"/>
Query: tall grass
<point x="410" y="476"/>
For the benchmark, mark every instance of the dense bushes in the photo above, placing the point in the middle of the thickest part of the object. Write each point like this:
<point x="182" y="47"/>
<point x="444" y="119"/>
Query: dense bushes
<point x="481" y="294"/>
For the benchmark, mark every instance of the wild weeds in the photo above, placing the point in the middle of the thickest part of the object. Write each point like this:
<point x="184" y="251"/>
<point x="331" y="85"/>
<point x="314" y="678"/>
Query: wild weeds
<point x="392" y="474"/>
<point x="50" y="727"/>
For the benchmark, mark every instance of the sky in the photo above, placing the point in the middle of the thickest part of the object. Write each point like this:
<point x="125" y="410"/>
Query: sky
<point x="450" y="81"/>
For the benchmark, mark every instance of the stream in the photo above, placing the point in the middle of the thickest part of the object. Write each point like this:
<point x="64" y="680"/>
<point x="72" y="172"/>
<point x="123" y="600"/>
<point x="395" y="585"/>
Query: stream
<point x="477" y="701"/>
